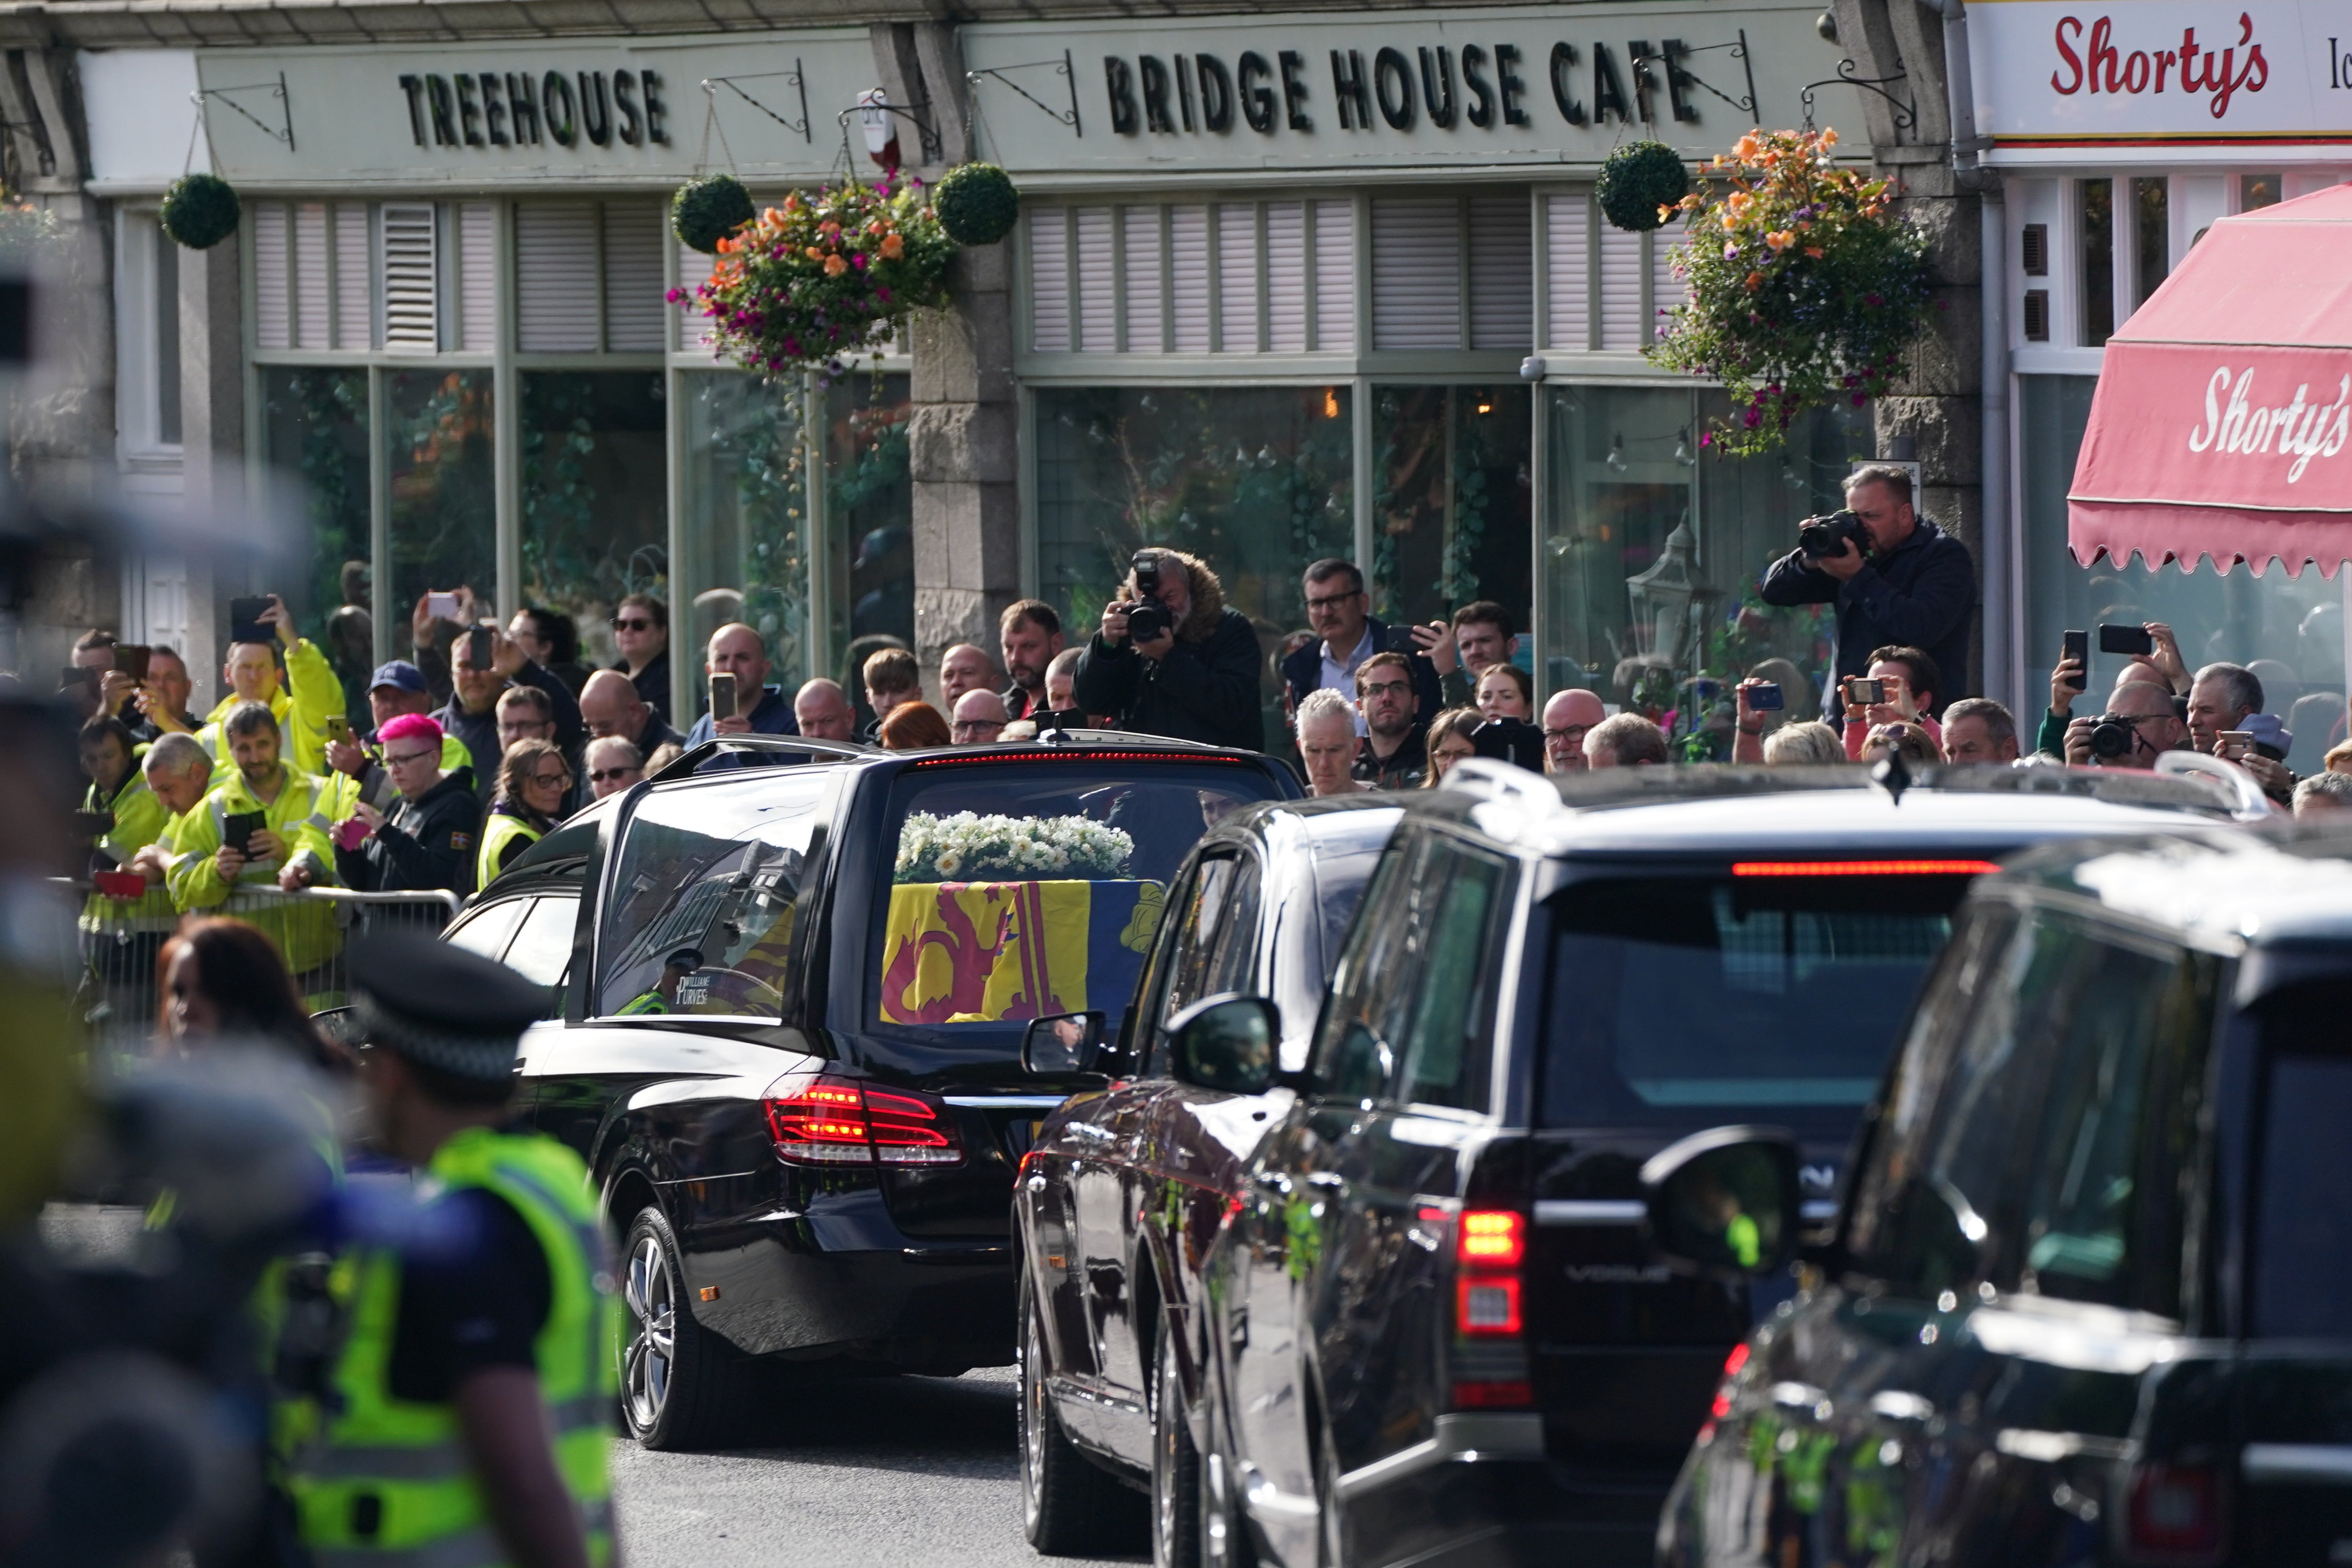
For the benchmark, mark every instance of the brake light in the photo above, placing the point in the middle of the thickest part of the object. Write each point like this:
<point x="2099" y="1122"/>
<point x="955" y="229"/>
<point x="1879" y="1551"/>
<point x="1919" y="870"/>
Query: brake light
<point x="843" y="1122"/>
<point x="1488" y="1247"/>
<point x="2175" y="1514"/>
<point x="1863" y="868"/>
<point x="1731" y="1365"/>
<point x="1494" y="1236"/>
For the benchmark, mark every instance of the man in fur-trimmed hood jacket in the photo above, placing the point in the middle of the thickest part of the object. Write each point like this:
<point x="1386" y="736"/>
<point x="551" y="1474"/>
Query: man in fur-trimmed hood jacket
<point x="1197" y="682"/>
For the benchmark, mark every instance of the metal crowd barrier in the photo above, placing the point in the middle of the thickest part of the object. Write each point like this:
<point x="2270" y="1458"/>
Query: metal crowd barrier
<point x="121" y="940"/>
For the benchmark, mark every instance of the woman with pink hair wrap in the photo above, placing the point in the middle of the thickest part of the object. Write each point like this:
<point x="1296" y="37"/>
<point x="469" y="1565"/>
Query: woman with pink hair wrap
<point x="426" y="840"/>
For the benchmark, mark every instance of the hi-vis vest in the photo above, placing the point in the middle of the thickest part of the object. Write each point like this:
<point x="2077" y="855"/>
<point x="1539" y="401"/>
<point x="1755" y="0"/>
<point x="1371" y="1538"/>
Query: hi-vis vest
<point x="499" y="830"/>
<point x="387" y="1483"/>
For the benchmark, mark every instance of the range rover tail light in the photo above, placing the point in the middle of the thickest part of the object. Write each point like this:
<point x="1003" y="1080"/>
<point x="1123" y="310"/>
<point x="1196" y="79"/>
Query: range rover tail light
<point x="845" y="1121"/>
<point x="2174" y="1515"/>
<point x="1490" y="1247"/>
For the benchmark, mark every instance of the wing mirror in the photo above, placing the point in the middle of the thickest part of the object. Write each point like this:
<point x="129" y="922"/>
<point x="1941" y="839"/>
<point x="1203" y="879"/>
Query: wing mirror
<point x="1229" y="1043"/>
<point x="1062" y="1044"/>
<point x="1724" y="1203"/>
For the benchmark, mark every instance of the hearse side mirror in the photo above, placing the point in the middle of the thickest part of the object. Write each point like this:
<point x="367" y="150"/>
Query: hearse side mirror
<point x="1061" y="1044"/>
<point x="1230" y="1043"/>
<point x="1724" y="1203"/>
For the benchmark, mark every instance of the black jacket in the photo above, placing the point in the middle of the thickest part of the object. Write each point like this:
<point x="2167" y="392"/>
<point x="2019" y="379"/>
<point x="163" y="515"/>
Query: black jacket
<point x="1303" y="670"/>
<point x="1924" y="596"/>
<point x="422" y="844"/>
<point x="651" y="683"/>
<point x="480" y="730"/>
<point x="1206" y="690"/>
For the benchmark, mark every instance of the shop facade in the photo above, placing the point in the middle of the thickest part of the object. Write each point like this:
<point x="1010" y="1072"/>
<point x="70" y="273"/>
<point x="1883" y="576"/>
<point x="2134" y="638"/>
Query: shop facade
<point x="1284" y="287"/>
<point x="2119" y="134"/>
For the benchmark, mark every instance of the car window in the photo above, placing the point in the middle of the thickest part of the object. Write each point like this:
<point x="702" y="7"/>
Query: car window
<point x="1185" y="944"/>
<point x="1232" y="962"/>
<point x="1458" y="907"/>
<point x="541" y="950"/>
<point x="1028" y="888"/>
<point x="699" y="918"/>
<point x="1310" y="925"/>
<point x="2301" y="1266"/>
<point x="1355" y="1050"/>
<point x="488" y="930"/>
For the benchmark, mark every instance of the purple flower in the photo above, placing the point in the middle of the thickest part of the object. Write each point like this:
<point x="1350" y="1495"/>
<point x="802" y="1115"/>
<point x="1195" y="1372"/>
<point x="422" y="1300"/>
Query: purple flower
<point x="1751" y="419"/>
<point x="792" y="346"/>
<point x="857" y="260"/>
<point x="1858" y="398"/>
<point x="1730" y="251"/>
<point x="883" y="295"/>
<point x="1872" y="299"/>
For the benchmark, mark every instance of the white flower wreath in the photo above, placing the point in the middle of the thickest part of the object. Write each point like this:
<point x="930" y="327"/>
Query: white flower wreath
<point x="969" y="848"/>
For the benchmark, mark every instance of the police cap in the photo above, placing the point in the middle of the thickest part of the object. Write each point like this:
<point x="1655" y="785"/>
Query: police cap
<point x="440" y="1005"/>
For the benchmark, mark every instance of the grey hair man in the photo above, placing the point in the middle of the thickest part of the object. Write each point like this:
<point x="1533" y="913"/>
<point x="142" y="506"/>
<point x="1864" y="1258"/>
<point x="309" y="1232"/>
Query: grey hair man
<point x="2328" y="795"/>
<point x="1979" y="729"/>
<point x="1327" y="743"/>
<point x="1626" y="741"/>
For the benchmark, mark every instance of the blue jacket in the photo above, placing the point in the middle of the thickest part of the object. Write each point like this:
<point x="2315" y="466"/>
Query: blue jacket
<point x="773" y="716"/>
<point x="1302" y="672"/>
<point x="1922" y="596"/>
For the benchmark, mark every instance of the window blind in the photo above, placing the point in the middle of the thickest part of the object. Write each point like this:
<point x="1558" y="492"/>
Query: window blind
<point x="1567" y="271"/>
<point x="272" y="313"/>
<point x="1237" y="288"/>
<point x="694" y="327"/>
<point x="1502" y="272"/>
<point x="1098" y="282"/>
<point x="1286" y="277"/>
<point x="1188" y="278"/>
<point x="1416" y="273"/>
<point x="632" y="276"/>
<point x="411" y="285"/>
<point x="1335" y="275"/>
<point x="478" y="276"/>
<point x="354" y="299"/>
<point x="1146" y="273"/>
<point x="556" y="307"/>
<point x="1667" y="290"/>
<point x="1621" y="263"/>
<point x="1049" y="279"/>
<point x="313" y="299"/>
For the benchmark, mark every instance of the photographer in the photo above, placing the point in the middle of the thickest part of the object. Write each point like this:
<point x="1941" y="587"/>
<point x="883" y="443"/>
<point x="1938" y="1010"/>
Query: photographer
<point x="1894" y="577"/>
<point x="2142" y="722"/>
<point x="1171" y="659"/>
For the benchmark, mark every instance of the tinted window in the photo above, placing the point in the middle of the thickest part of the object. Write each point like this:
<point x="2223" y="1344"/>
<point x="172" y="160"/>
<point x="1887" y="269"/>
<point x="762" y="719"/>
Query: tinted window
<point x="541" y="950"/>
<point x="1184" y="941"/>
<point x="2303" y="1229"/>
<point x="1232" y="961"/>
<point x="700" y="916"/>
<point x="1699" y="998"/>
<point x="1353" y="1057"/>
<point x="1311" y="925"/>
<point x="1015" y="891"/>
<point x="486" y="931"/>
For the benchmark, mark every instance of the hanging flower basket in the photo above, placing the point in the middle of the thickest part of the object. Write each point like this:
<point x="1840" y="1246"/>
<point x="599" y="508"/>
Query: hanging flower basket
<point x="977" y="203"/>
<point x="825" y="277"/>
<point x="1806" y="287"/>
<point x="707" y="210"/>
<point x="1640" y="183"/>
<point x="200" y="211"/>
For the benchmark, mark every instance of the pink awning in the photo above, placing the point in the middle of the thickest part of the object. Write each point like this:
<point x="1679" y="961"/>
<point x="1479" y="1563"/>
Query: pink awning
<point x="2221" y="426"/>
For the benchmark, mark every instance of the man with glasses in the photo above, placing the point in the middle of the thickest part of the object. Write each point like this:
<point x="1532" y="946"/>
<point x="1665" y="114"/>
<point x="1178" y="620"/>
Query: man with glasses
<point x="473" y="712"/>
<point x="979" y="719"/>
<point x="641" y="637"/>
<point x="426" y="841"/>
<point x="1393" y="753"/>
<point x="1568" y="718"/>
<point x="613" y="765"/>
<point x="1340" y="613"/>
<point x="2149" y="718"/>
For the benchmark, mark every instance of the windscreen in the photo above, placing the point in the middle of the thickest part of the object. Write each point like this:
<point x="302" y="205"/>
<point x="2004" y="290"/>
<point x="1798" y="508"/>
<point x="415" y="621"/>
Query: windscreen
<point x="1693" y="998"/>
<point x="1022" y="890"/>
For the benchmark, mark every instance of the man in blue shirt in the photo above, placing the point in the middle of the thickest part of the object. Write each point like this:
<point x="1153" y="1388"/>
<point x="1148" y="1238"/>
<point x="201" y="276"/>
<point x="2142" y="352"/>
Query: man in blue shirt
<point x="760" y="709"/>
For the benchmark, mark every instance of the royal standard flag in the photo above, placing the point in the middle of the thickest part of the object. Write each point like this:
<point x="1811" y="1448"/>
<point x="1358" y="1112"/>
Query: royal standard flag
<point x="978" y="952"/>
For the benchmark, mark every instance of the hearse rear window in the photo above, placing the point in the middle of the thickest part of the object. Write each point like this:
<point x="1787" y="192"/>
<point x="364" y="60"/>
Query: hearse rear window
<point x="1021" y="890"/>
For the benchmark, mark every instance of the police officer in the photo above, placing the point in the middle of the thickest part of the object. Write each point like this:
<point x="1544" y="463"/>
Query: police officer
<point x="464" y="1408"/>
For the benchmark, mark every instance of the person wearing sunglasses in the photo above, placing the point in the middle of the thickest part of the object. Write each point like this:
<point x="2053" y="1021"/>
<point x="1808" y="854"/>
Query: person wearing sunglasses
<point x="641" y="637"/>
<point x="534" y="782"/>
<point x="426" y="840"/>
<point x="613" y="765"/>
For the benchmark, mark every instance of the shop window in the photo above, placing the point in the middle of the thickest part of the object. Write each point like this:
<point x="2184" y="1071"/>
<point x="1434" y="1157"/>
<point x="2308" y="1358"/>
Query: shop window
<point x="326" y="273"/>
<point x="1633" y="488"/>
<point x="1453" y="507"/>
<point x="869" y="517"/>
<point x="2258" y="191"/>
<point x="315" y="435"/>
<point x="747" y="555"/>
<point x="588" y="277"/>
<point x="2097" y="224"/>
<point x="2151" y="236"/>
<point x="594" y="510"/>
<point x="443" y="522"/>
<point x="2288" y="630"/>
<point x="1255" y="480"/>
<point x="1237" y="277"/>
<point x="147" y="306"/>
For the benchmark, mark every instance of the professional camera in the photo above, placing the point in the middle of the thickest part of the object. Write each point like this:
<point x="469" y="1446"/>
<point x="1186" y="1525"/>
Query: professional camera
<point x="1824" y="536"/>
<point x="2111" y="737"/>
<point x="1513" y="740"/>
<point x="1147" y="618"/>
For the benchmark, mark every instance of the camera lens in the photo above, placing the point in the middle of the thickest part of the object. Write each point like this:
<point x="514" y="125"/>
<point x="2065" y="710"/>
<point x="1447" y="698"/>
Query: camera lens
<point x="2110" y="738"/>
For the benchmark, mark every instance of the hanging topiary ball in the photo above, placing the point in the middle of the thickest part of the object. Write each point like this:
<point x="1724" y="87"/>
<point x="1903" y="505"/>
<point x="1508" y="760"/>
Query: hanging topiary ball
<point x="1639" y="178"/>
<point x="200" y="211"/>
<point x="707" y="210"/>
<point x="976" y="203"/>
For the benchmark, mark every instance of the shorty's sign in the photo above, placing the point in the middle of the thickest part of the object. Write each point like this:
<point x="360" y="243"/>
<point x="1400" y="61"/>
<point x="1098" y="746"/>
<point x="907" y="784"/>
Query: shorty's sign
<point x="2055" y="74"/>
<point x="622" y="109"/>
<point x="1428" y="88"/>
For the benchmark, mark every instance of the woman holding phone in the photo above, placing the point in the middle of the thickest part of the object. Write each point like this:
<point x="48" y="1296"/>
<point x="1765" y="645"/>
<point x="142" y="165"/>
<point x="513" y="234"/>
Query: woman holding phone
<point x="426" y="840"/>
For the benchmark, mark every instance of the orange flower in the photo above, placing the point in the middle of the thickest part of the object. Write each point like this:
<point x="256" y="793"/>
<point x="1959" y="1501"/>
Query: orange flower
<point x="834" y="266"/>
<point x="894" y="246"/>
<point x="1748" y="146"/>
<point x="771" y="216"/>
<point x="1738" y="203"/>
<point x="1829" y="138"/>
<point x="725" y="245"/>
<point x="1755" y="281"/>
<point x="1814" y="251"/>
<point x="1780" y="240"/>
<point x="815" y="252"/>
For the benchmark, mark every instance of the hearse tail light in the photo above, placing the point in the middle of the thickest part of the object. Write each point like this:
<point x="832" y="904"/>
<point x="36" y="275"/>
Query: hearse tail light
<point x="2173" y="1515"/>
<point x="843" y="1122"/>
<point x="1863" y="868"/>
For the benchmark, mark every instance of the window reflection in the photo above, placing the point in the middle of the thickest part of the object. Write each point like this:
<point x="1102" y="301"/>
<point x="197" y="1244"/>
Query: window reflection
<point x="594" y="507"/>
<point x="869" y="518"/>
<point x="1454" y="501"/>
<point x="315" y="432"/>
<point x="444" y="506"/>
<point x="746" y="550"/>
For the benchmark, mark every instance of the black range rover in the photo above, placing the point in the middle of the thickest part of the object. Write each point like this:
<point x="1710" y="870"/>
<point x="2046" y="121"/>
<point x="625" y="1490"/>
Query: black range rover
<point x="786" y="1012"/>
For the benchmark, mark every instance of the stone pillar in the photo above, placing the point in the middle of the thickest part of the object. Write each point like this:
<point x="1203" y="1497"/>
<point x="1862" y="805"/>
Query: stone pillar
<point x="1938" y="403"/>
<point x="964" y="442"/>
